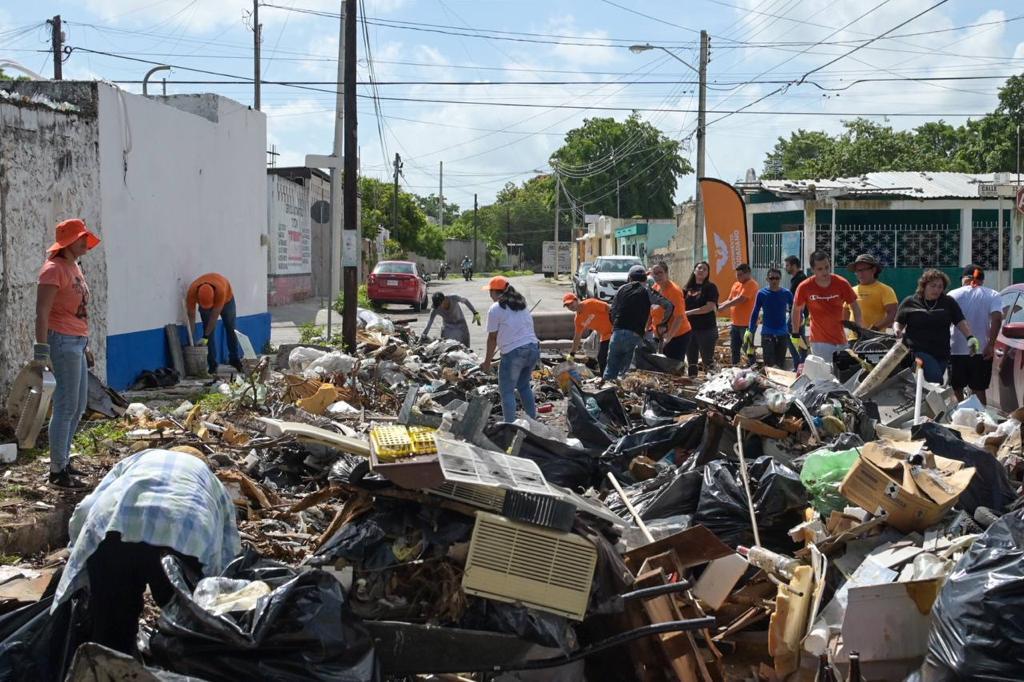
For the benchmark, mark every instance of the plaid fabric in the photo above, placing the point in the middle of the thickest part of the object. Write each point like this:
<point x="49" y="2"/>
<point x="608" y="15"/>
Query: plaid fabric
<point x="162" y="498"/>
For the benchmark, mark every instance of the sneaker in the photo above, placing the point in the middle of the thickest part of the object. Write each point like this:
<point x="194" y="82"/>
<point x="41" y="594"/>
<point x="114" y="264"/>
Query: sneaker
<point x="237" y="364"/>
<point x="63" y="479"/>
<point x="70" y="468"/>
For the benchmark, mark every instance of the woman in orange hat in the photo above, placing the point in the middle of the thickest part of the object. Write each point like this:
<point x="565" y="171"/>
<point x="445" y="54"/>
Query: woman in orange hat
<point x="62" y="340"/>
<point x="510" y="328"/>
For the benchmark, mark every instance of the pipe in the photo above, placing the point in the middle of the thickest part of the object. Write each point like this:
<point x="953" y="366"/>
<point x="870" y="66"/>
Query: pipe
<point x="919" y="393"/>
<point x="882" y="370"/>
<point x="746" y="484"/>
<point x="145" y="79"/>
<point x="629" y="506"/>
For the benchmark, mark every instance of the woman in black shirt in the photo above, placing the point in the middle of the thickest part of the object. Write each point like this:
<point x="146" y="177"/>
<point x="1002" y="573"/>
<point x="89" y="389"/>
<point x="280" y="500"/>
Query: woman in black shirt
<point x="924" y="319"/>
<point x="701" y="297"/>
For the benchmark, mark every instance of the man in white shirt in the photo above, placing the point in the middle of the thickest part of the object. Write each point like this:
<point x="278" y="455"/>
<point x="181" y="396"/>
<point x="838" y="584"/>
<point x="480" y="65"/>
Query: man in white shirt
<point x="982" y="309"/>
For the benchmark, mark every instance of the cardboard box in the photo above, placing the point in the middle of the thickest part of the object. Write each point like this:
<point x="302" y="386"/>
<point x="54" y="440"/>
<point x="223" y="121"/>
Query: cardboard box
<point x="878" y="482"/>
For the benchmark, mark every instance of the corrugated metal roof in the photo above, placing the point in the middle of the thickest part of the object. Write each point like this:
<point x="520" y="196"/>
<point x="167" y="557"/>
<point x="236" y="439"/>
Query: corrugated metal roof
<point x="912" y="184"/>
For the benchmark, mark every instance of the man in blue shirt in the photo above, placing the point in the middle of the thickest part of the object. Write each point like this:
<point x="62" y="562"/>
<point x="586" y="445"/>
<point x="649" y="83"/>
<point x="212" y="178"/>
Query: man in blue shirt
<point x="775" y="302"/>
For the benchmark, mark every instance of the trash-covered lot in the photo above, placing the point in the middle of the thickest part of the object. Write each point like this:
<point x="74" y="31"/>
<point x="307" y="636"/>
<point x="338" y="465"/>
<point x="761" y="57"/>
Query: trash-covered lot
<point x="746" y="525"/>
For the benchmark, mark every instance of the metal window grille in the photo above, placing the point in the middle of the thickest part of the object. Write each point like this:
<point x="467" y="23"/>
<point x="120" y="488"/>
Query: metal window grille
<point x="768" y="253"/>
<point x="985" y="245"/>
<point x="897" y="246"/>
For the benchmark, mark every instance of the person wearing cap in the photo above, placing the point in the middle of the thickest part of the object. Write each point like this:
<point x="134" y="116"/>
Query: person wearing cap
<point x="923" y="320"/>
<point x="591" y="315"/>
<point x="775" y="303"/>
<point x="211" y="294"/>
<point x="824" y="296"/>
<point x="676" y="338"/>
<point x="62" y="340"/>
<point x="453" y="321"/>
<point x="630" y="312"/>
<point x="982" y="308"/>
<point x="510" y="329"/>
<point x="877" y="301"/>
<point x="740" y="305"/>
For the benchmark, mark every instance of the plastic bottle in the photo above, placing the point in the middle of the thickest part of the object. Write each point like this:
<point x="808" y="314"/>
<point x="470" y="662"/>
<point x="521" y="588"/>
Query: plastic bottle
<point x="767" y="560"/>
<point x="854" y="668"/>
<point x="593" y="408"/>
<point x="816" y="368"/>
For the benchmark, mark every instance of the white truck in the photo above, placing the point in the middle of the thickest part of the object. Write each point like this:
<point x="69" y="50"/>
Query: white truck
<point x="564" y="258"/>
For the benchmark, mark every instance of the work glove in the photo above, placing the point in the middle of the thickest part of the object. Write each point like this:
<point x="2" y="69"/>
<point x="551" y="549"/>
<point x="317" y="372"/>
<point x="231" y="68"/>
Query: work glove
<point x="748" y="343"/>
<point x="973" y="345"/>
<point x="476" y="319"/>
<point x="798" y="342"/>
<point x="41" y="355"/>
<point x="203" y="341"/>
<point x="570" y="357"/>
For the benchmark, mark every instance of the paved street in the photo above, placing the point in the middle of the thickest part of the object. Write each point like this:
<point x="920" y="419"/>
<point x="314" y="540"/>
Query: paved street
<point x="536" y="288"/>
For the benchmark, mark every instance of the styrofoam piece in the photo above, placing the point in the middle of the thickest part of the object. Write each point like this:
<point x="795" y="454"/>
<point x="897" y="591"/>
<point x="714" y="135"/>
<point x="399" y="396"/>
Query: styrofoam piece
<point x="719" y="579"/>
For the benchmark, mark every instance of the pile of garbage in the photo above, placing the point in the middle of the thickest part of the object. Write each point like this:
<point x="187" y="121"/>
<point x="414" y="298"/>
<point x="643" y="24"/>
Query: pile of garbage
<point x="750" y="524"/>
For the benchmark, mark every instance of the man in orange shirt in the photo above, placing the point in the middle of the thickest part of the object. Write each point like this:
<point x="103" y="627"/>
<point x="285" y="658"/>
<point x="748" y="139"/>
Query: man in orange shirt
<point x="740" y="305"/>
<point x="212" y="294"/>
<point x="677" y="337"/>
<point x="824" y="294"/>
<point x="595" y="315"/>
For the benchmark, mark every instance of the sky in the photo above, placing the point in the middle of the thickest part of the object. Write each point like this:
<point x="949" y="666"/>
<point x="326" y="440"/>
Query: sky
<point x="490" y="87"/>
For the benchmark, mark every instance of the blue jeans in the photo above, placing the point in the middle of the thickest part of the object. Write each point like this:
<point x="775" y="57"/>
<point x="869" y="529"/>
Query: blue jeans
<point x="67" y="359"/>
<point x="514" y="373"/>
<point x="934" y="368"/>
<point x="620" y="353"/>
<point x="736" y="334"/>
<point x="227" y="316"/>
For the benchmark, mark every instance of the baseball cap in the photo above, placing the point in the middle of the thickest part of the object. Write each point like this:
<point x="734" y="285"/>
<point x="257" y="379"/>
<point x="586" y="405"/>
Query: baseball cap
<point x="204" y="295"/>
<point x="974" y="272"/>
<point x="638" y="273"/>
<point x="70" y="231"/>
<point x="867" y="259"/>
<point x="497" y="283"/>
<point x="742" y="267"/>
<point x="569" y="298"/>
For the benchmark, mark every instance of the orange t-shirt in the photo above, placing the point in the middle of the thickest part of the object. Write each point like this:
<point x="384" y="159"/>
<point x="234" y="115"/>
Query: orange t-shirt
<point x="675" y="295"/>
<point x="221" y="290"/>
<point x="740" y="313"/>
<point x="596" y="315"/>
<point x="69" y="314"/>
<point x="825" y="304"/>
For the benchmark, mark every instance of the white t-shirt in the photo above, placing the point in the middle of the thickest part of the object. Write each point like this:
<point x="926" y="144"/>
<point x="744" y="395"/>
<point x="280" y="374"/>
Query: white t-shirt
<point x="977" y="304"/>
<point x="514" y="327"/>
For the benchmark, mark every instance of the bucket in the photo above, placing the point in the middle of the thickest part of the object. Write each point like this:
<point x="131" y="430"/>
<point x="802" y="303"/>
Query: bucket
<point x="195" y="361"/>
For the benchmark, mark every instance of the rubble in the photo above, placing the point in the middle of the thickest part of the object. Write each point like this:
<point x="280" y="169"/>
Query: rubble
<point x="748" y="520"/>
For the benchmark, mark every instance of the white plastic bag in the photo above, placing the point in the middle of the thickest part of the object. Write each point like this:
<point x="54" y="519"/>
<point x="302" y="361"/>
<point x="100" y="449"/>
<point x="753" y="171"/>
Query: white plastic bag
<point x="222" y="595"/>
<point x="300" y="357"/>
<point x="334" y="362"/>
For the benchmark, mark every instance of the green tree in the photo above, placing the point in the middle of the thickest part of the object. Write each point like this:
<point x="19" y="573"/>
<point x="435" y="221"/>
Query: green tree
<point x="429" y="206"/>
<point x="621" y="167"/>
<point x="806" y="154"/>
<point x="412" y="233"/>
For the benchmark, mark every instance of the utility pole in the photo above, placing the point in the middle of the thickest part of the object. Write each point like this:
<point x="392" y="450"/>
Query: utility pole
<point x="257" y="32"/>
<point x="702" y="98"/>
<point x="57" y="42"/>
<point x="350" y="233"/>
<point x="440" y="194"/>
<point x="476" y="265"/>
<point x="394" y="211"/>
<point x="558" y="209"/>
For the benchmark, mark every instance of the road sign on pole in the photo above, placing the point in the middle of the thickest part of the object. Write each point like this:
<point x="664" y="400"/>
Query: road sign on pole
<point x="1020" y="199"/>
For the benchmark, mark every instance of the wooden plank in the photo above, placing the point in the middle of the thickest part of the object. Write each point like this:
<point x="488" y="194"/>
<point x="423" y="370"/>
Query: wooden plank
<point x="693" y="547"/>
<point x="174" y="345"/>
<point x="675" y="646"/>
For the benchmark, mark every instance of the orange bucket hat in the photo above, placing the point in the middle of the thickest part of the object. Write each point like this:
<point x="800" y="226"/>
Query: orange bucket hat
<point x="497" y="283"/>
<point x="70" y="231"/>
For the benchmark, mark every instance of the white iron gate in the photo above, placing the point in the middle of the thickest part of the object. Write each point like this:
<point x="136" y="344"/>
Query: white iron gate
<point x="770" y="249"/>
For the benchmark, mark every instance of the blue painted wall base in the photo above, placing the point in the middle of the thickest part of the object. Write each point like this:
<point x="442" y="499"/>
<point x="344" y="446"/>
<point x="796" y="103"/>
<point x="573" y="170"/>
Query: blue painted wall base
<point x="130" y="354"/>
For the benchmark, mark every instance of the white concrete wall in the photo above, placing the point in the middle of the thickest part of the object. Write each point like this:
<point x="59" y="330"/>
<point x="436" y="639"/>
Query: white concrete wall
<point x="192" y="200"/>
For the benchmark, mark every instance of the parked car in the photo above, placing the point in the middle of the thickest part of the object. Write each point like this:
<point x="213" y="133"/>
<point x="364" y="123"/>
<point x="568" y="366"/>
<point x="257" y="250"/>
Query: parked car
<point x="579" y="279"/>
<point x="1006" y="391"/>
<point x="397" y="281"/>
<point x="608" y="274"/>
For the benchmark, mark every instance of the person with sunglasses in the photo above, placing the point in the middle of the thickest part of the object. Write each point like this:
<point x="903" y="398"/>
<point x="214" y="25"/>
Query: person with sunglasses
<point x="775" y="303"/>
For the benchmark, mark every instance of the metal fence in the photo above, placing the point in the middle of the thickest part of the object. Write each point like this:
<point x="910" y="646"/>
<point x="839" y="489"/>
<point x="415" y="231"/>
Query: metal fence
<point x="771" y="248"/>
<point x="985" y="245"/>
<point x="895" y="246"/>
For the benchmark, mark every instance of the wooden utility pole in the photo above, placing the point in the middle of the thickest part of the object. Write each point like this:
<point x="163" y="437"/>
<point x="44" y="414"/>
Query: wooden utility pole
<point x="558" y="209"/>
<point x="394" y="210"/>
<point x="476" y="264"/>
<point x="702" y="99"/>
<point x="257" y="31"/>
<point x="57" y="43"/>
<point x="351" y="248"/>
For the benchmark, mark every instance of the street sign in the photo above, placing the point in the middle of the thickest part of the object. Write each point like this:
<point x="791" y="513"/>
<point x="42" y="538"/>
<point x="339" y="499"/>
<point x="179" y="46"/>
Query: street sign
<point x="992" y="190"/>
<point x="1020" y="199"/>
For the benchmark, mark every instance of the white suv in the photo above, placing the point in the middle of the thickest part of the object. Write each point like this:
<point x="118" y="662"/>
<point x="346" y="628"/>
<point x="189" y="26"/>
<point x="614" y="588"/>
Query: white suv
<point x="608" y="274"/>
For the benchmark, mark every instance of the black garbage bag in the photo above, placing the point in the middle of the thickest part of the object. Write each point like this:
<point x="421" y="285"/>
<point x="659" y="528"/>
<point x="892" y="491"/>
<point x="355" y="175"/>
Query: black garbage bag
<point x="538" y="627"/>
<point x="990" y="487"/>
<point x="303" y="630"/>
<point x="663" y="408"/>
<point x="561" y="464"/>
<point x="671" y="493"/>
<point x="977" y="630"/>
<point x="646" y="359"/>
<point x="656" y="442"/>
<point x="38" y="645"/>
<point x="598" y="429"/>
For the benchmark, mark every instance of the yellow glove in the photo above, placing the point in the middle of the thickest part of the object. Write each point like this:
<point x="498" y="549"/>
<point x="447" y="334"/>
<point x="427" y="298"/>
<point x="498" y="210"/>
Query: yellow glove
<point x="748" y="343"/>
<point x="203" y="341"/>
<point x="476" y="319"/>
<point x="798" y="342"/>
<point x="973" y="345"/>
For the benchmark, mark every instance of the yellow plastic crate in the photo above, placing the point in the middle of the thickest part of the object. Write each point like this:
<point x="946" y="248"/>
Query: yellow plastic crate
<point x="423" y="442"/>
<point x="391" y="442"/>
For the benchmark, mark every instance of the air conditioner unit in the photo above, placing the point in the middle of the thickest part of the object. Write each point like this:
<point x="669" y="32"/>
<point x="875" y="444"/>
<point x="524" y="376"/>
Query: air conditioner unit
<point x="480" y="496"/>
<point x="539" y="568"/>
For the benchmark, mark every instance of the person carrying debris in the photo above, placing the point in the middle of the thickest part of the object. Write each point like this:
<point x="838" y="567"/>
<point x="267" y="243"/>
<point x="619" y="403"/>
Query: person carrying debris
<point x="775" y="302"/>
<point x="982" y="307"/>
<point x="677" y="337"/>
<point x="453" y="322"/>
<point x="510" y="328"/>
<point x="796" y="276"/>
<point x="701" y="306"/>
<point x="741" y="300"/>
<point x="824" y="296"/>
<point x="150" y="505"/>
<point x="630" y="312"/>
<point x="594" y="315"/>
<point x="212" y="294"/>
<point x="923" y="321"/>
<point x="62" y="340"/>
<point x="877" y="300"/>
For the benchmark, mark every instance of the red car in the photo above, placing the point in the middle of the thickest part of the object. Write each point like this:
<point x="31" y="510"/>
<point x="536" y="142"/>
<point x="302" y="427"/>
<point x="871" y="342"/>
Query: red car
<point x="397" y="281"/>
<point x="1006" y="391"/>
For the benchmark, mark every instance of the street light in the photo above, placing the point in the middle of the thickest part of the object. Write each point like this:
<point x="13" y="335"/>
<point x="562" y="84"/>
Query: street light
<point x="702" y="72"/>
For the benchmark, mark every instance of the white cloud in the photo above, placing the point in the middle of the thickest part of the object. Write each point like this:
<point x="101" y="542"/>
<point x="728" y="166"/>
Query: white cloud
<point x="581" y="53"/>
